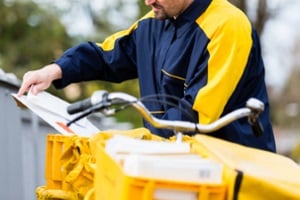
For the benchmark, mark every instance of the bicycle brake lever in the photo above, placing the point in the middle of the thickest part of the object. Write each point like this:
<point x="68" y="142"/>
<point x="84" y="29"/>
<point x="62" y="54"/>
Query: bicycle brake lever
<point x="257" y="128"/>
<point x="256" y="107"/>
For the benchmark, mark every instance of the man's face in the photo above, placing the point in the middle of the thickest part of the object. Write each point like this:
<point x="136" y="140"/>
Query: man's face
<point x="164" y="9"/>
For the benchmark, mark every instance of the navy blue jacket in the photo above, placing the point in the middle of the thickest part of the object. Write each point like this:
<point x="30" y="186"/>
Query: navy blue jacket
<point x="209" y="57"/>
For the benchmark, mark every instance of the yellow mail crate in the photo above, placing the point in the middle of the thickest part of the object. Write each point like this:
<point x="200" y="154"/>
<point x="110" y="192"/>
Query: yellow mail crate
<point x="54" y="173"/>
<point x="69" y="168"/>
<point x="112" y="183"/>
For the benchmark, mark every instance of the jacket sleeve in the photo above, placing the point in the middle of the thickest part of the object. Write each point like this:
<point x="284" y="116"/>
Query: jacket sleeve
<point x="113" y="60"/>
<point x="229" y="50"/>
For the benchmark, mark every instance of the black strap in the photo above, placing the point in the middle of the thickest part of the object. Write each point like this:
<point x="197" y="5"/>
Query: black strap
<point x="237" y="185"/>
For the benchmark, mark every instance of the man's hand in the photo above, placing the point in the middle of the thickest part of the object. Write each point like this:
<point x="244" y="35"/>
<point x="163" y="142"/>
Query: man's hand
<point x="39" y="80"/>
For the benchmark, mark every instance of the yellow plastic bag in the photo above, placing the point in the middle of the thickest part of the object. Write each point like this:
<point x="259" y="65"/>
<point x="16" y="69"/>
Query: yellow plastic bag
<point x="69" y="168"/>
<point x="42" y="193"/>
<point x="252" y="173"/>
<point x="79" y="165"/>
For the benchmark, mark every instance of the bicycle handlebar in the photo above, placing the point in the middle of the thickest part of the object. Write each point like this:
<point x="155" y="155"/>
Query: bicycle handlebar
<point x="103" y="102"/>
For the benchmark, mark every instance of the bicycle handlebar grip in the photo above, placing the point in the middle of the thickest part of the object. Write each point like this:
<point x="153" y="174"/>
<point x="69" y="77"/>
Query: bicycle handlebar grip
<point x="79" y="106"/>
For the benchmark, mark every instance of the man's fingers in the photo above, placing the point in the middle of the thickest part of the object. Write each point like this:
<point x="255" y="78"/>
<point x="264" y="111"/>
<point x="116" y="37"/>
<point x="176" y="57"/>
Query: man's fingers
<point x="23" y="89"/>
<point x="41" y="79"/>
<point x="28" y="81"/>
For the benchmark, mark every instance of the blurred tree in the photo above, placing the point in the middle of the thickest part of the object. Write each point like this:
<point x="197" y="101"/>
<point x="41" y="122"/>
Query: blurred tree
<point x="30" y="36"/>
<point x="288" y="108"/>
<point x="295" y="153"/>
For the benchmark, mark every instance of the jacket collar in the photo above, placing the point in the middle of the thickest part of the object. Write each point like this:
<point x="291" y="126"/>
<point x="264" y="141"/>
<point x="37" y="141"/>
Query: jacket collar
<point x="193" y="12"/>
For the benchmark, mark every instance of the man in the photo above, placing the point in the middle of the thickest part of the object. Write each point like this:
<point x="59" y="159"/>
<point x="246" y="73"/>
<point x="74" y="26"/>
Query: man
<point x="205" y="52"/>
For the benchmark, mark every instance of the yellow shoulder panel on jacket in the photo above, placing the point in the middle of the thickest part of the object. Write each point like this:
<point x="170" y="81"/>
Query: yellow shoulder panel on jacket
<point x="229" y="32"/>
<point x="109" y="43"/>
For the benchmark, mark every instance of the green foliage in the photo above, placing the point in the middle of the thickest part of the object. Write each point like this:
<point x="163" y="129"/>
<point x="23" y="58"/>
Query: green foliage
<point x="143" y="8"/>
<point x="286" y="110"/>
<point x="295" y="153"/>
<point x="30" y="37"/>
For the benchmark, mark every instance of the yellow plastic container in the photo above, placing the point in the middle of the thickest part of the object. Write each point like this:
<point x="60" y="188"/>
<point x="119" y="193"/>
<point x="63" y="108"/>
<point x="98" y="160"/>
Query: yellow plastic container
<point x="112" y="183"/>
<point x="54" y="173"/>
<point x="69" y="168"/>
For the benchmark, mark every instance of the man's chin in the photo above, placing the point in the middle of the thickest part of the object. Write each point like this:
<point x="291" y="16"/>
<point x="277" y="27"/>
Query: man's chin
<point x="160" y="16"/>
